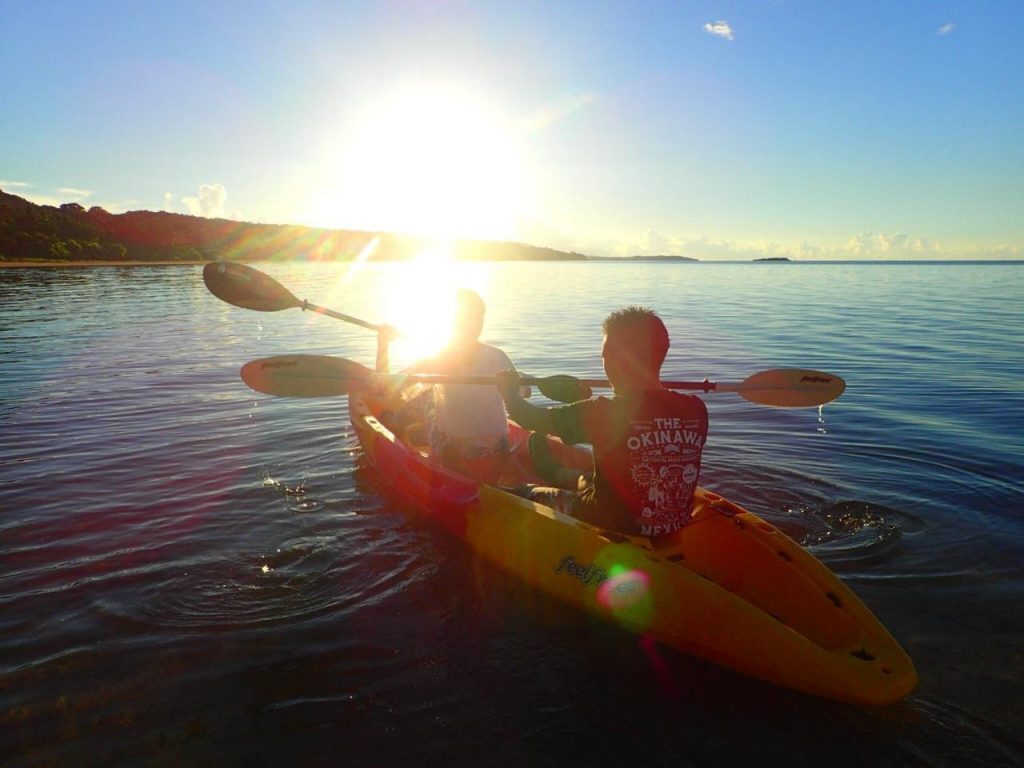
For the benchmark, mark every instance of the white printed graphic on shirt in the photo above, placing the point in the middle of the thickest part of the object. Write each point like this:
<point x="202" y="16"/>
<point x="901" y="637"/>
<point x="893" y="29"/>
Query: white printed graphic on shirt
<point x="664" y="464"/>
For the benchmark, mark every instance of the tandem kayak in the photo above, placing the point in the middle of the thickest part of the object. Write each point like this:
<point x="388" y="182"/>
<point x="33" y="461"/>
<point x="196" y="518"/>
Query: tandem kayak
<point x="729" y="587"/>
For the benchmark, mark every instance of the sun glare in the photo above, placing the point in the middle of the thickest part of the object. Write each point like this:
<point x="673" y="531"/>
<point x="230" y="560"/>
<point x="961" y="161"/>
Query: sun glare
<point x="430" y="160"/>
<point x="420" y="300"/>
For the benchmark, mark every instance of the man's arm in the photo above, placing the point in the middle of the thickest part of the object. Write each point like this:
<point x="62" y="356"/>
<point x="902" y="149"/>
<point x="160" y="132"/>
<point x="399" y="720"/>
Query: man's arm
<point x="384" y="336"/>
<point x="526" y="415"/>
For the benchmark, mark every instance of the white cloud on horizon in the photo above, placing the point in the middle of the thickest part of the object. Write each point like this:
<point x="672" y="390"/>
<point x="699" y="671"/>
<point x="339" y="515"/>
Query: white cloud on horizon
<point x="946" y="28"/>
<point x="209" y="202"/>
<point x="864" y="246"/>
<point x="655" y="244"/>
<point x="544" y="235"/>
<point x="899" y="245"/>
<point x="719" y="29"/>
<point x="8" y="184"/>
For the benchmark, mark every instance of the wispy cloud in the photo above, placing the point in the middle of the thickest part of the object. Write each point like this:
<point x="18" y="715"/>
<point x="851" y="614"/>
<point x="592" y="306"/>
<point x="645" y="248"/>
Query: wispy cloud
<point x="74" y="192"/>
<point x="945" y="29"/>
<point x="62" y="195"/>
<point x="719" y="29"/>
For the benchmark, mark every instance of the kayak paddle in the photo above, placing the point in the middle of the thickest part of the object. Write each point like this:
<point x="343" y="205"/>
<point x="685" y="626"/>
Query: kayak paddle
<point x="325" y="376"/>
<point x="249" y="288"/>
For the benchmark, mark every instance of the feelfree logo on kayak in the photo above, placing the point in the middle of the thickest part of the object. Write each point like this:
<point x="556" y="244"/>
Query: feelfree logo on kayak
<point x="590" y="575"/>
<point x="612" y="590"/>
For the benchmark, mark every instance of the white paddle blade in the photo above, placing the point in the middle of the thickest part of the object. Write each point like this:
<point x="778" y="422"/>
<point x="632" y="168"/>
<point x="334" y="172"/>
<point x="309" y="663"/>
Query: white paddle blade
<point x="304" y="375"/>
<point x="788" y="388"/>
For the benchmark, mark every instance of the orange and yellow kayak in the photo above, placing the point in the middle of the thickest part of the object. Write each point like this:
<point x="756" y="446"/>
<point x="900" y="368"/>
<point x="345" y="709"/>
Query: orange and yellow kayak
<point x="729" y="587"/>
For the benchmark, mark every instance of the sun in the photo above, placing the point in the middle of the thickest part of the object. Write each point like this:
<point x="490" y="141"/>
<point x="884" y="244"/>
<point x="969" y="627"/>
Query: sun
<point x="426" y="159"/>
<point x="420" y="300"/>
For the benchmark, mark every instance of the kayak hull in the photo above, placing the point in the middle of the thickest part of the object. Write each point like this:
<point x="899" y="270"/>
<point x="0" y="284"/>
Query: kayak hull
<point x="729" y="587"/>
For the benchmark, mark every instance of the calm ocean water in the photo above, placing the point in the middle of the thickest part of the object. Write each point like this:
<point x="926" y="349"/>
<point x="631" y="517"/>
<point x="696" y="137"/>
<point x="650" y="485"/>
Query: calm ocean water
<point x="193" y="574"/>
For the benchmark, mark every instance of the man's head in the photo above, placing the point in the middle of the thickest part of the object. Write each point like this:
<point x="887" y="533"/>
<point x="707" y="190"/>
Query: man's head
<point x="469" y="316"/>
<point x="635" y="346"/>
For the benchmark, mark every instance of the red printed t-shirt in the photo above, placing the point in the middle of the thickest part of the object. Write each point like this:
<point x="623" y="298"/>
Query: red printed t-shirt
<point x="647" y="452"/>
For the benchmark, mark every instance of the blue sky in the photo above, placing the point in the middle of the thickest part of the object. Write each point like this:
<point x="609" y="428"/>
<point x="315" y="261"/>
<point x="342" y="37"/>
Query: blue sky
<point x="819" y="129"/>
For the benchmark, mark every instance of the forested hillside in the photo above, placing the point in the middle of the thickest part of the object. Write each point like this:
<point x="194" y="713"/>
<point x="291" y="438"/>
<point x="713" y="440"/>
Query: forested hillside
<point x="30" y="232"/>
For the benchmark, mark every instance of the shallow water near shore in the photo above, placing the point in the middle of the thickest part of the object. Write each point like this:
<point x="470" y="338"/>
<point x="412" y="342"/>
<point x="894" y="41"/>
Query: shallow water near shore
<point x="194" y="574"/>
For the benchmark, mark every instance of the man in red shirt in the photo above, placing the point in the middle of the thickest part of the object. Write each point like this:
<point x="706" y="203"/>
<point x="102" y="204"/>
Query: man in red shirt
<point x="647" y="440"/>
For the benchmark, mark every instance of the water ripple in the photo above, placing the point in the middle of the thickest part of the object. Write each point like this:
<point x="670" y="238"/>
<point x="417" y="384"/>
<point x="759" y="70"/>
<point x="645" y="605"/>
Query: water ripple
<point x="303" y="579"/>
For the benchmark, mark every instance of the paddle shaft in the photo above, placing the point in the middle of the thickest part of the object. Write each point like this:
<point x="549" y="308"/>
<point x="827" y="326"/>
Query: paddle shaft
<point x="430" y="378"/>
<point x="308" y="307"/>
<point x="249" y="288"/>
<point x="781" y="388"/>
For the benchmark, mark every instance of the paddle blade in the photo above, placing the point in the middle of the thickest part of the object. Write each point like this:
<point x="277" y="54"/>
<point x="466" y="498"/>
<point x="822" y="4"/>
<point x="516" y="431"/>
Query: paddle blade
<point x="563" y="388"/>
<point x="788" y="388"/>
<point x="304" y="375"/>
<point x="247" y="287"/>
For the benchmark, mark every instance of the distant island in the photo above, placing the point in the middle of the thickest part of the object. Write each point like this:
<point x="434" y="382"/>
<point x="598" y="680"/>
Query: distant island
<point x="71" y="234"/>
<point x="775" y="258"/>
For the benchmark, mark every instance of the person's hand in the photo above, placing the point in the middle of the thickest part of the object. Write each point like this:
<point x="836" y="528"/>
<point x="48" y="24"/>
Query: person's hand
<point x="381" y="388"/>
<point x="507" y="382"/>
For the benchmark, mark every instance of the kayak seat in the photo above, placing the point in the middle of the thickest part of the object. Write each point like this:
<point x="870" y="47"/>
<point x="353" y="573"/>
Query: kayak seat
<point x="414" y="434"/>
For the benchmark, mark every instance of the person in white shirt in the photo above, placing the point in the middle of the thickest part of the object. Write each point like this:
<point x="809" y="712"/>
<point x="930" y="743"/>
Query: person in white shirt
<point x="465" y="424"/>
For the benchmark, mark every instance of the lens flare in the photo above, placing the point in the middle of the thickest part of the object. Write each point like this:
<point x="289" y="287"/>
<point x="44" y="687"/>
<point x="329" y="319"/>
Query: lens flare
<point x="626" y="595"/>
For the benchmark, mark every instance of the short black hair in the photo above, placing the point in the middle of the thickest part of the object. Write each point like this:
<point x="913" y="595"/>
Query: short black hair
<point x="644" y="326"/>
